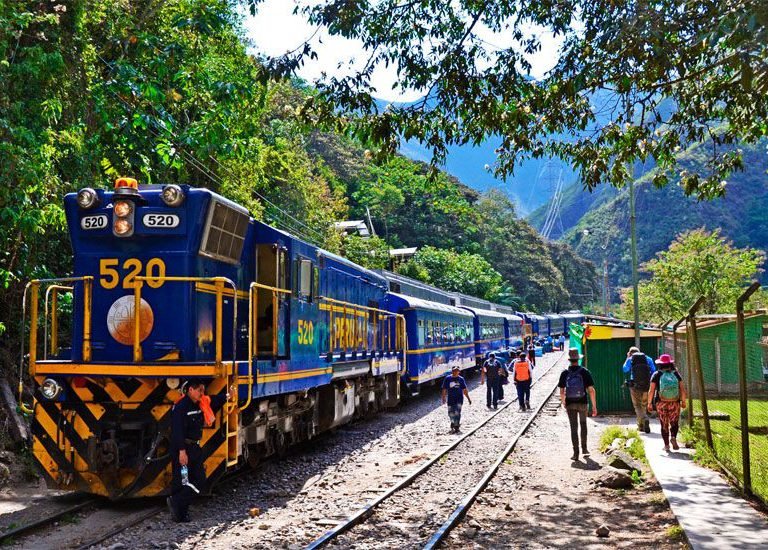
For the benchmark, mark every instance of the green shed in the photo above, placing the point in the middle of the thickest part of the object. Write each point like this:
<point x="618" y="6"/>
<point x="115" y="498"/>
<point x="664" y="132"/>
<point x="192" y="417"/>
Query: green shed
<point x="605" y="350"/>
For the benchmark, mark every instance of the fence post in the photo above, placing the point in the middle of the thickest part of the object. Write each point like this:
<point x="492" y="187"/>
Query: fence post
<point x="743" y="397"/>
<point x="688" y="368"/>
<point x="694" y="343"/>
<point x="663" y="341"/>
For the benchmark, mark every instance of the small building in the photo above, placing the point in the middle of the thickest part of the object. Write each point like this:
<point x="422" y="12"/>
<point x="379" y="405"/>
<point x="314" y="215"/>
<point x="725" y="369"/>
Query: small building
<point x="605" y="350"/>
<point x="353" y="227"/>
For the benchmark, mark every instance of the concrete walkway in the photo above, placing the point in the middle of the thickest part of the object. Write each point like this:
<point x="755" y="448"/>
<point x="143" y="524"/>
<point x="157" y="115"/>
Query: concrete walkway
<point x="705" y="504"/>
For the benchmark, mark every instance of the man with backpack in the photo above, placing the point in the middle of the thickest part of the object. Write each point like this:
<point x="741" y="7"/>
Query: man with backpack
<point x="491" y="372"/>
<point x="575" y="384"/>
<point x="640" y="368"/>
<point x="668" y="393"/>
<point x="523" y="376"/>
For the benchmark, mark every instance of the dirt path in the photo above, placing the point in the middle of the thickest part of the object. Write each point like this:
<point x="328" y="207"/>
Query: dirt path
<point x="541" y="499"/>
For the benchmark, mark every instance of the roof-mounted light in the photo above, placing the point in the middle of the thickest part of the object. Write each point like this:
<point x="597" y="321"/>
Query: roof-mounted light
<point x="172" y="195"/>
<point x="127" y="186"/>
<point x="87" y="198"/>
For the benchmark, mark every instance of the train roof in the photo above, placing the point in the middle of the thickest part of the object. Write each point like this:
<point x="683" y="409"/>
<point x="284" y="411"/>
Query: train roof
<point x="321" y="252"/>
<point x="418" y="303"/>
<point x="512" y="317"/>
<point x="484" y="312"/>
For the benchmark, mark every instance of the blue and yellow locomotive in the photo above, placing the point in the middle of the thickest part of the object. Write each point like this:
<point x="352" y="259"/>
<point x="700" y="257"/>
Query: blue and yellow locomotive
<point x="172" y="282"/>
<point x="220" y="297"/>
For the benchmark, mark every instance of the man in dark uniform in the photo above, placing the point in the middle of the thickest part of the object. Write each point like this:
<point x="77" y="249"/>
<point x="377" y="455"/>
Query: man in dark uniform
<point x="187" y="421"/>
<point x="491" y="372"/>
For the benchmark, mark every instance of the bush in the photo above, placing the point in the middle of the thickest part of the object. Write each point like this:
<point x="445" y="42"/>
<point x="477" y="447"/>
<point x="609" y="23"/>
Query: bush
<point x="636" y="450"/>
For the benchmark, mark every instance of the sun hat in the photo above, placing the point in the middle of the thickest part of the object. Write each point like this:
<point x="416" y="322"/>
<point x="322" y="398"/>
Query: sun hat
<point x="573" y="353"/>
<point x="665" y="359"/>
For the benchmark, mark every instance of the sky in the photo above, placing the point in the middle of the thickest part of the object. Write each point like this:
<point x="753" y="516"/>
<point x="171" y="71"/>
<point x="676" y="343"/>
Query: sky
<point x="275" y="30"/>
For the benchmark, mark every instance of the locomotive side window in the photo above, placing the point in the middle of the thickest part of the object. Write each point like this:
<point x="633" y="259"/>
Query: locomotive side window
<point x="305" y="279"/>
<point x="224" y="233"/>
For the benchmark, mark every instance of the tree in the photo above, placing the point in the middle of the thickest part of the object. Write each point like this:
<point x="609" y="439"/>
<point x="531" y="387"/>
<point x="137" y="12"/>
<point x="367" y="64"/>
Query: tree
<point x="458" y="272"/>
<point x="634" y="80"/>
<point x="371" y="252"/>
<point x="697" y="263"/>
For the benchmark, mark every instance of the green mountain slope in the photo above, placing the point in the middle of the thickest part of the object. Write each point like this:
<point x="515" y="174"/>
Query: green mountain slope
<point x="742" y="216"/>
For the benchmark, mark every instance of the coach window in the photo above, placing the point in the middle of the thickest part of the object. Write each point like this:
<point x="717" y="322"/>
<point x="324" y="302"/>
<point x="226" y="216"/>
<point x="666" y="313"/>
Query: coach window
<point x="428" y="338"/>
<point x="420" y="332"/>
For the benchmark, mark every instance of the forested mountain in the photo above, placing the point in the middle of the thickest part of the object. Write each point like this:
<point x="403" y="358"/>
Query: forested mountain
<point x="664" y="213"/>
<point x="166" y="92"/>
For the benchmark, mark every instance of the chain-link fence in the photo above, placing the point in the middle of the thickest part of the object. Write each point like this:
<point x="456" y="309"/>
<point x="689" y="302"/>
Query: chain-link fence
<point x="735" y="444"/>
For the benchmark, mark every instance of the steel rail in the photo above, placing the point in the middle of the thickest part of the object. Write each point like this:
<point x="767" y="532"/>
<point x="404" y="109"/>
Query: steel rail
<point x="7" y="536"/>
<point x="120" y="528"/>
<point x="362" y="514"/>
<point x="470" y="497"/>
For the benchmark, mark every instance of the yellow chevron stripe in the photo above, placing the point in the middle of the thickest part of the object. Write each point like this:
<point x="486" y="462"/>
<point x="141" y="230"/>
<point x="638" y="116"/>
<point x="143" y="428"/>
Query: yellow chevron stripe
<point x="216" y="458"/>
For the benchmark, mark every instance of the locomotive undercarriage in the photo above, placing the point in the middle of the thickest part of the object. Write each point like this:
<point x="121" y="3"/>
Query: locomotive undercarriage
<point x="272" y="425"/>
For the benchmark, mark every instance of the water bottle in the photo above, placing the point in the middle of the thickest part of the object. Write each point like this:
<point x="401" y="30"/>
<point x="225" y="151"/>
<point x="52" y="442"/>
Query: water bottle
<point x="184" y="475"/>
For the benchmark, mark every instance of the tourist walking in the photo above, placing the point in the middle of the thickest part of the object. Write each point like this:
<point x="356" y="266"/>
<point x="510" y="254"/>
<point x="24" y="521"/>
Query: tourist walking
<point x="522" y="377"/>
<point x="575" y="384"/>
<point x="532" y="352"/>
<point x="454" y="391"/>
<point x="640" y="368"/>
<point x="561" y="342"/>
<point x="668" y="394"/>
<point x="490" y="373"/>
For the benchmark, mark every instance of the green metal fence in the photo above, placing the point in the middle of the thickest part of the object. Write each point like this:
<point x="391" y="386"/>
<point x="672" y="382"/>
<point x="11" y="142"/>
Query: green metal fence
<point x="718" y="344"/>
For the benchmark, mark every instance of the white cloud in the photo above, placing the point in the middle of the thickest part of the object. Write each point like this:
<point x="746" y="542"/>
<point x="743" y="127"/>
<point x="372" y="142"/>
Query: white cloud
<point x="275" y="30"/>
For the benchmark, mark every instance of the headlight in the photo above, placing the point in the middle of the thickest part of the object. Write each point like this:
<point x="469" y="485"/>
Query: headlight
<point x="50" y="388"/>
<point x="172" y="383"/>
<point x="122" y="227"/>
<point x="87" y="198"/>
<point x="172" y="195"/>
<point x="123" y="208"/>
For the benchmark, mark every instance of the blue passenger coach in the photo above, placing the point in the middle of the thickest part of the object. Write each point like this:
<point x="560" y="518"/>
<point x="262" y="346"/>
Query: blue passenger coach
<point x="439" y="337"/>
<point x="556" y="324"/>
<point x="488" y="332"/>
<point x="513" y="330"/>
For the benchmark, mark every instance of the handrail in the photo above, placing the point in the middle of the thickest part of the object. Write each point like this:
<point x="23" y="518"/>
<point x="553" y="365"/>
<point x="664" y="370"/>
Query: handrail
<point x="253" y="327"/>
<point x="35" y="286"/>
<point x="218" y="281"/>
<point x="355" y="309"/>
<point x="54" y="318"/>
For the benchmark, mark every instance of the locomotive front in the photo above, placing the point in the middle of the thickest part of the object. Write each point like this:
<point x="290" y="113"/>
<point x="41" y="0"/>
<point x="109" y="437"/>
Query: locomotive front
<point x="153" y="299"/>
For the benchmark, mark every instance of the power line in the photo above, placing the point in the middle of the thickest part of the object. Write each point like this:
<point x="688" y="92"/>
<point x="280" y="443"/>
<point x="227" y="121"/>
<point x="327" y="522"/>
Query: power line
<point x="154" y="126"/>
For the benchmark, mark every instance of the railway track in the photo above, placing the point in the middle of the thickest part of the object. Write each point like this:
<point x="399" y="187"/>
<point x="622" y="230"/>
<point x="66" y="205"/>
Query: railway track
<point x="474" y="449"/>
<point x="11" y="535"/>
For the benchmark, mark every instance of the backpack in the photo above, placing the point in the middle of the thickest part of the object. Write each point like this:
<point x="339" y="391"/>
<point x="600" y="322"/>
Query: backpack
<point x="574" y="385"/>
<point x="522" y="372"/>
<point x="669" y="387"/>
<point x="641" y="372"/>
